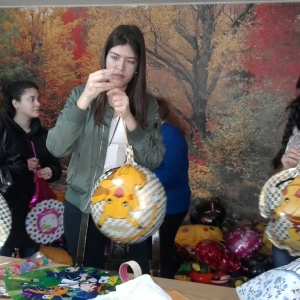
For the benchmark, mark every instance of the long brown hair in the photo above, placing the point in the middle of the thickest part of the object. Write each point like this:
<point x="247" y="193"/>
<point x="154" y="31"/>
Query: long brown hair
<point x="294" y="120"/>
<point x="169" y="115"/>
<point x="136" y="89"/>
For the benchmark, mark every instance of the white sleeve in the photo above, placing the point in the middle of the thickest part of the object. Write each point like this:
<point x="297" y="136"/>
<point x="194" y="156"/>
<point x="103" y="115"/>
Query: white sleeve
<point x="294" y="139"/>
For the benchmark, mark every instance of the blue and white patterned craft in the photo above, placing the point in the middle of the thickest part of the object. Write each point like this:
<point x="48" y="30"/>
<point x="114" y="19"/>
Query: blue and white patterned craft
<point x="282" y="283"/>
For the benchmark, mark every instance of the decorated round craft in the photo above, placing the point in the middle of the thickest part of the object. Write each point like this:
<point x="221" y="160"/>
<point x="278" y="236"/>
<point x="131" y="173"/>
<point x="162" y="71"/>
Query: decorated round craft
<point x="44" y="222"/>
<point x="5" y="220"/>
<point x="280" y="202"/>
<point x="128" y="204"/>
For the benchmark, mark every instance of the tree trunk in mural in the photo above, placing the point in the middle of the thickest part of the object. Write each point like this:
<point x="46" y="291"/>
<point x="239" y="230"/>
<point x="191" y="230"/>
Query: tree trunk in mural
<point x="196" y="25"/>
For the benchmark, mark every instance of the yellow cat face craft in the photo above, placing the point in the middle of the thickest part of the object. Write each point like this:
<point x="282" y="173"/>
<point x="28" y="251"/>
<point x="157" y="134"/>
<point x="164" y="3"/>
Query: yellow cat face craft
<point x="127" y="202"/>
<point x="290" y="202"/>
<point x="118" y="203"/>
<point x="280" y="202"/>
<point x="290" y="208"/>
<point x="116" y="192"/>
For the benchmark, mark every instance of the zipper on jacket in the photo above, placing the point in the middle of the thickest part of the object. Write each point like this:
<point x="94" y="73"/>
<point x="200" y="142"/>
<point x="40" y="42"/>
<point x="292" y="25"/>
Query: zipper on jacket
<point x="156" y="126"/>
<point x="99" y="153"/>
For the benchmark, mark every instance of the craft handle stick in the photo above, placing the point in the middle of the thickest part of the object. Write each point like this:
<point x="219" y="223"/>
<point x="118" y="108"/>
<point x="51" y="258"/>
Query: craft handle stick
<point x="33" y="148"/>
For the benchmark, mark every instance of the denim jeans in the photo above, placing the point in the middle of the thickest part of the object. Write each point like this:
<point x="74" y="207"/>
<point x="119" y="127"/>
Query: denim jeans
<point x="281" y="257"/>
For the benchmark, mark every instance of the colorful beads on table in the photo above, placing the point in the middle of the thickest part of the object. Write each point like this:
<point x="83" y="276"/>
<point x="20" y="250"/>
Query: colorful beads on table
<point x="35" y="261"/>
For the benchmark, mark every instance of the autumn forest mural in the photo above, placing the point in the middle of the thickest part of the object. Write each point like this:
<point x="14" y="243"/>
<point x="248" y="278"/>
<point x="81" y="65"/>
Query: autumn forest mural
<point x="230" y="70"/>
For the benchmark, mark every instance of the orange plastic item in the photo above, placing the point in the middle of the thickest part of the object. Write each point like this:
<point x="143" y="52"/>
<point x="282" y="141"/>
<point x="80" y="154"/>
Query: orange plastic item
<point x="57" y="255"/>
<point x="60" y="195"/>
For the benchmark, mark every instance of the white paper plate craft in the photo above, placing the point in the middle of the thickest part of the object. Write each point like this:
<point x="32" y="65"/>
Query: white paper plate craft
<point x="44" y="222"/>
<point x="5" y="220"/>
<point x="128" y="203"/>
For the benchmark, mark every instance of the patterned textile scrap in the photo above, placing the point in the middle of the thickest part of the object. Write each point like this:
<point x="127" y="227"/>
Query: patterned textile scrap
<point x="282" y="283"/>
<point x="62" y="283"/>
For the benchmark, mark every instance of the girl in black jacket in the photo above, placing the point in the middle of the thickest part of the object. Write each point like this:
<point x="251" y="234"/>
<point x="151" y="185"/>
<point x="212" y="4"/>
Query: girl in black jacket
<point x="19" y="127"/>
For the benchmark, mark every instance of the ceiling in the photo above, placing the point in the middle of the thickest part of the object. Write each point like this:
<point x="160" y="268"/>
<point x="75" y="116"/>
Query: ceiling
<point x="35" y="3"/>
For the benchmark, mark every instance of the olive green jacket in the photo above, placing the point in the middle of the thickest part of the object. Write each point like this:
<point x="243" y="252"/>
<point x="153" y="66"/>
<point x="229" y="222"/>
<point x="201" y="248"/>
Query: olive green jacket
<point x="75" y="133"/>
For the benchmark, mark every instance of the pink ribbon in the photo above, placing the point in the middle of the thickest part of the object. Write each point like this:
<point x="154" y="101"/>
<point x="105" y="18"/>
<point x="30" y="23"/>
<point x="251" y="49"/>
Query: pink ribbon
<point x="34" y="200"/>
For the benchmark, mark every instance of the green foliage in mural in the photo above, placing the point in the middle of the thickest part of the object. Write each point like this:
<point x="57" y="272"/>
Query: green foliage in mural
<point x="241" y="145"/>
<point x="12" y="68"/>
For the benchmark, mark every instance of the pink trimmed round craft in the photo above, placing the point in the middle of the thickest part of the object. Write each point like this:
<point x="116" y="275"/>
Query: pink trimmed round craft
<point x="44" y="222"/>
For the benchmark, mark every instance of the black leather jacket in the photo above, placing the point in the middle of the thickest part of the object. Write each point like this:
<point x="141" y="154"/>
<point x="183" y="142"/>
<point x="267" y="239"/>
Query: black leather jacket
<point x="16" y="181"/>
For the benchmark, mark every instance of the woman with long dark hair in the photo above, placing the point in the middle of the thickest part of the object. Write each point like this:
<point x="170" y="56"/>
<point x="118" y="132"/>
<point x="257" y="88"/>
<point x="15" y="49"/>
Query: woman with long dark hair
<point x="288" y="156"/>
<point x="90" y="129"/>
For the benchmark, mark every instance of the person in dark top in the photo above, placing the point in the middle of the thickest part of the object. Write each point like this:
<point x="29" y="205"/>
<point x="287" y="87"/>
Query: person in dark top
<point x="19" y="128"/>
<point x="288" y="156"/>
<point x="88" y="127"/>
<point x="173" y="174"/>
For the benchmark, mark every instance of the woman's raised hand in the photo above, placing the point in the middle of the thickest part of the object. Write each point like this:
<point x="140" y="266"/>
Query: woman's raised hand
<point x="291" y="158"/>
<point x="97" y="82"/>
<point x="119" y="101"/>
